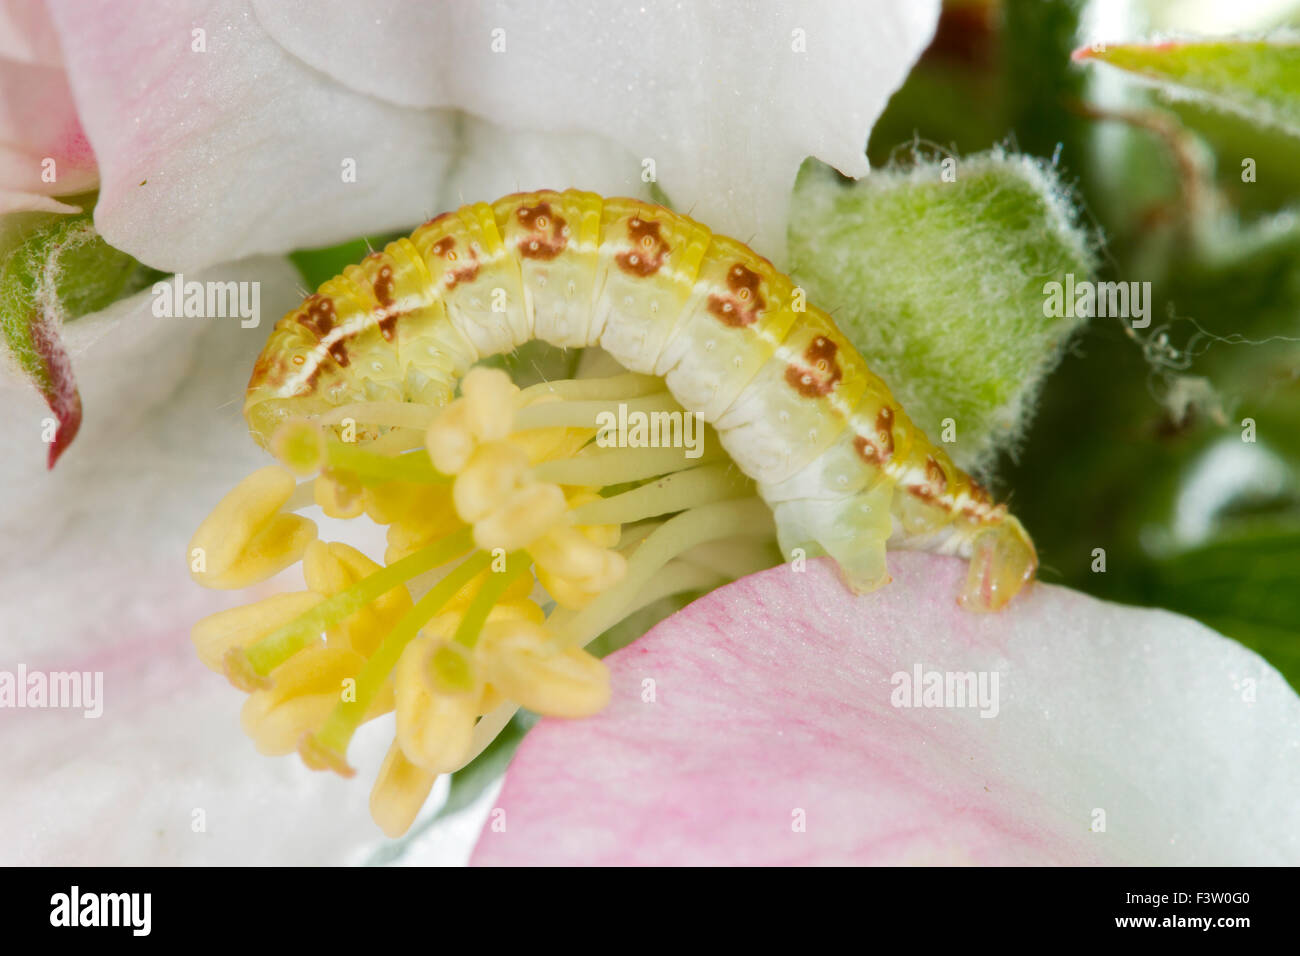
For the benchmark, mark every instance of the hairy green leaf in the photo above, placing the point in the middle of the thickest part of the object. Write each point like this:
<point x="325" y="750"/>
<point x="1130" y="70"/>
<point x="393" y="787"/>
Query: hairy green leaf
<point x="938" y="272"/>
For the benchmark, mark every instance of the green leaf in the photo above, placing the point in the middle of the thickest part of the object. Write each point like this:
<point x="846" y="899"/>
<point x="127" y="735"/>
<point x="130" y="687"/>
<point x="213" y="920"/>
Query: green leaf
<point x="1259" y="78"/>
<point x="54" y="269"/>
<point x="941" y="284"/>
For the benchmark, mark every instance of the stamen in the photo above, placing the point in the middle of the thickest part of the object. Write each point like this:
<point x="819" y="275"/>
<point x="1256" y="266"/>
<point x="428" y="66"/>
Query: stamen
<point x="246" y="538"/>
<point x="327" y="748"/>
<point x="675" y="492"/>
<point x="400" y="790"/>
<point x="616" y="466"/>
<point x="575" y="414"/>
<point x="491" y="591"/>
<point x="305" y="688"/>
<point x="613" y="387"/>
<point x="240" y="626"/>
<point x="306" y="448"/>
<point x="746" y="516"/>
<point x="497" y="468"/>
<point x="270" y="652"/>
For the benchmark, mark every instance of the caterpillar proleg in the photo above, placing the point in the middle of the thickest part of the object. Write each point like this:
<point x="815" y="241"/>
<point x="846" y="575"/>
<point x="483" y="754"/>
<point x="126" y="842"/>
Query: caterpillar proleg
<point x="843" y="468"/>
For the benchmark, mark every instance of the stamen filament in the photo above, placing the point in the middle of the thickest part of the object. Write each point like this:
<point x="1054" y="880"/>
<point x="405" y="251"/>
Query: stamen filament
<point x="369" y="465"/>
<point x="277" y="647"/>
<point x="675" y="492"/>
<point x="615" y="466"/>
<point x="723" y="519"/>
<point x="336" y="733"/>
<point x="476" y="615"/>
<point x="582" y="414"/>
<point x="630" y="385"/>
<point x="674" y="578"/>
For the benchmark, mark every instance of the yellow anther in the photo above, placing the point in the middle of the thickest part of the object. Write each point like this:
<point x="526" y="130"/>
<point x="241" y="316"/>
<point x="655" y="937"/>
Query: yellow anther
<point x="426" y="517"/>
<point x="241" y="626"/>
<point x="576" y="593"/>
<point x="300" y="445"/>
<point x="399" y="792"/>
<point x="601" y="535"/>
<point x="449" y="439"/>
<point x="317" y="756"/>
<point x="522" y="518"/>
<point x="490" y="699"/>
<point x="492" y="472"/>
<point x="522" y="663"/>
<point x="246" y="539"/>
<point x="389" y="501"/>
<point x="338" y="496"/>
<point x="490" y="400"/>
<point x="302" y="692"/>
<point x="334" y="567"/>
<point x="568" y="552"/>
<point x="437" y="695"/>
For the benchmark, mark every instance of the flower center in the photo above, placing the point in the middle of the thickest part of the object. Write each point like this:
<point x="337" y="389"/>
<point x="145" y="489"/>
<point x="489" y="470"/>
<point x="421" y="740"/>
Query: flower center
<point x="528" y="522"/>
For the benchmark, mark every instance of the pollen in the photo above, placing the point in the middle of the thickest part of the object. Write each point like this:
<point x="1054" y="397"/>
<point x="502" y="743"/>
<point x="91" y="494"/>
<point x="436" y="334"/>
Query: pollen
<point x="514" y="539"/>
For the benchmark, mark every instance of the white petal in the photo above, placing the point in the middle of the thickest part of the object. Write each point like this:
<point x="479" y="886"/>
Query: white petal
<point x="93" y="578"/>
<point x="240" y="148"/>
<point x="31" y="202"/>
<point x="209" y="156"/>
<point x="718" y="95"/>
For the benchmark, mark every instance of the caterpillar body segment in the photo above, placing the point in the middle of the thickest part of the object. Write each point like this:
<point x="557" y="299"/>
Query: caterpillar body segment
<point x="556" y="238"/>
<point x="844" y="469"/>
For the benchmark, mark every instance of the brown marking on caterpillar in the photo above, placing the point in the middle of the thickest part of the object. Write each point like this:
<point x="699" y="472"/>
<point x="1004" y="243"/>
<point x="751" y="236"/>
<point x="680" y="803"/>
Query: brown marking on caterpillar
<point x="821" y="373"/>
<point x="383" y="286"/>
<point x="446" y="248"/>
<point x="980" y="506"/>
<point x="877" y="452"/>
<point x="742" y="306"/>
<point x="319" y="317"/>
<point x="648" y="257"/>
<point x="934" y="486"/>
<point x="537" y="219"/>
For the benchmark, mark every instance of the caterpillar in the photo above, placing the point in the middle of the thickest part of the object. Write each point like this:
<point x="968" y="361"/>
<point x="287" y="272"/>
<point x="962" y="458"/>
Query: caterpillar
<point x="844" y="470"/>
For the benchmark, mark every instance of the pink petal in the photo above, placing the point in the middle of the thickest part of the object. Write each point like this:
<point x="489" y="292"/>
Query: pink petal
<point x="26" y="33"/>
<point x="39" y="124"/>
<point x="772" y="702"/>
